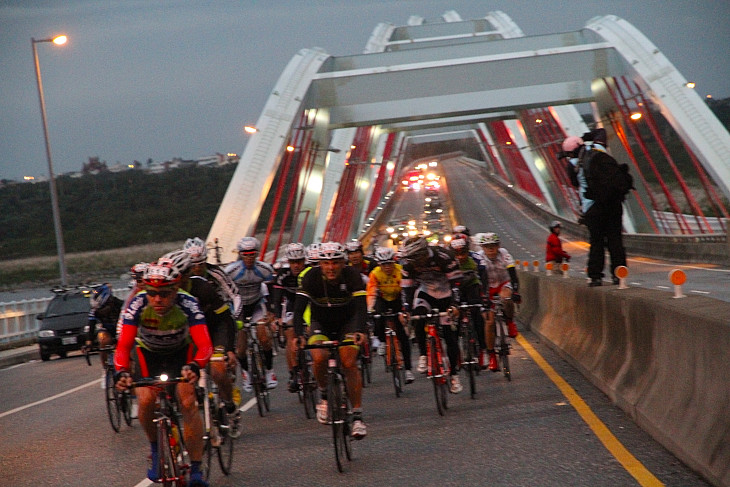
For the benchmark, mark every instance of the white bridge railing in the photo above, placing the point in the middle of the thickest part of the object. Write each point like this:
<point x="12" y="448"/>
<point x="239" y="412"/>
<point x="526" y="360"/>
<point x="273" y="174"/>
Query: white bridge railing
<point x="18" y="318"/>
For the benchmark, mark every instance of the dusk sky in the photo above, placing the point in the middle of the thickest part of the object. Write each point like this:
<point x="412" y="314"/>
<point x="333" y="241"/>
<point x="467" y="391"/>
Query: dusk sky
<point x="160" y="79"/>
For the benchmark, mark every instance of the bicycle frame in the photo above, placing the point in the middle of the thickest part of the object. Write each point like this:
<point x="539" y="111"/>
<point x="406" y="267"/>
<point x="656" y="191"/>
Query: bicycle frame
<point x="393" y="354"/>
<point x="436" y="369"/>
<point x="501" y="345"/>
<point x="256" y="368"/>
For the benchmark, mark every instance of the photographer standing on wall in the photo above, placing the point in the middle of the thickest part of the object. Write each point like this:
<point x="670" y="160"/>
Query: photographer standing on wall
<point x="603" y="184"/>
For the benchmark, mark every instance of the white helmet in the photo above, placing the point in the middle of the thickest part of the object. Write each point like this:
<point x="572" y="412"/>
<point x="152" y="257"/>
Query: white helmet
<point x="313" y="252"/>
<point x="295" y="251"/>
<point x="248" y="244"/>
<point x="179" y="260"/>
<point x="197" y="250"/>
<point x="384" y="255"/>
<point x="488" y="238"/>
<point x="459" y="243"/>
<point x="331" y="251"/>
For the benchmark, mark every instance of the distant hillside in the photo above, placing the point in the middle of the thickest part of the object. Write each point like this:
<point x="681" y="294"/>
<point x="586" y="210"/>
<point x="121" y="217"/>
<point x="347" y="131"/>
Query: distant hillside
<point x="108" y="211"/>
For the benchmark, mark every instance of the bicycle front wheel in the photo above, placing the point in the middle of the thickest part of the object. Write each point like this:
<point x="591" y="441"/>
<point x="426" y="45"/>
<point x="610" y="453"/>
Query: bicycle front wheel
<point x="334" y="402"/>
<point x="113" y="407"/>
<point x="167" y="468"/>
<point x="504" y="358"/>
<point x="225" y="449"/>
<point x="396" y="367"/>
<point x="308" y="388"/>
<point x="258" y="380"/>
<point x="437" y="376"/>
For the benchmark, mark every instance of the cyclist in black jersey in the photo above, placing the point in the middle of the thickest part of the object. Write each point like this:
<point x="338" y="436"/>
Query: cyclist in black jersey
<point x="282" y="302"/>
<point x="105" y="309"/>
<point x="429" y="275"/>
<point x="336" y="294"/>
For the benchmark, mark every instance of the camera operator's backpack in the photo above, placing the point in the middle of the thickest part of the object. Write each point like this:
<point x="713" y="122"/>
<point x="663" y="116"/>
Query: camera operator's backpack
<point x="607" y="179"/>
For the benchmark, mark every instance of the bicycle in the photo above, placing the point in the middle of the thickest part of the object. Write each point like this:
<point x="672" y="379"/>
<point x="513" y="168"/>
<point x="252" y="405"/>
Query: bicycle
<point x="118" y="404"/>
<point x="365" y="360"/>
<point x="339" y="409"/>
<point x="501" y="345"/>
<point x="307" y="384"/>
<point x="469" y="344"/>
<point x="393" y="356"/>
<point x="173" y="459"/>
<point x="218" y="423"/>
<point x="256" y="370"/>
<point x="437" y="370"/>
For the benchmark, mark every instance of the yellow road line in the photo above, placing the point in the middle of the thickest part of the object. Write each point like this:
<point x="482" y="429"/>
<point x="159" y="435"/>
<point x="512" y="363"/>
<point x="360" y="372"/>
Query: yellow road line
<point x="629" y="462"/>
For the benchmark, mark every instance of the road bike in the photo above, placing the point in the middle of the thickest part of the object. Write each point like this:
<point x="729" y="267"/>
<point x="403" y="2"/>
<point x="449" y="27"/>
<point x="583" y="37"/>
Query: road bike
<point x="339" y="409"/>
<point x="307" y="385"/>
<point x="437" y="371"/>
<point x="220" y="426"/>
<point x="501" y="345"/>
<point x="393" y="355"/>
<point x="256" y="369"/>
<point x="119" y="404"/>
<point x="469" y="343"/>
<point x="173" y="465"/>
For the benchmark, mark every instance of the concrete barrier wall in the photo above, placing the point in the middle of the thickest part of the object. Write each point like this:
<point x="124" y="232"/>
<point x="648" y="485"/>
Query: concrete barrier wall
<point x="664" y="361"/>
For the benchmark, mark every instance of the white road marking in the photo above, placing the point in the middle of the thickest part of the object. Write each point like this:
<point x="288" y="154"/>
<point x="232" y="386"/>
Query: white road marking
<point x="42" y="401"/>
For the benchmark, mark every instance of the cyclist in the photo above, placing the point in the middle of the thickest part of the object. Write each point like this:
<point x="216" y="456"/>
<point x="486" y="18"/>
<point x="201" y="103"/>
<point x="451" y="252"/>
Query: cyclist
<point x="105" y="310"/>
<point x="158" y="325"/>
<point x="470" y="290"/>
<point x="136" y="284"/>
<point x="336" y="294"/>
<point x="502" y="280"/>
<point x="356" y="258"/>
<point x="251" y="276"/>
<point x="221" y="327"/>
<point x="383" y="295"/>
<point x="226" y="288"/>
<point x="284" y="295"/>
<point x="435" y="271"/>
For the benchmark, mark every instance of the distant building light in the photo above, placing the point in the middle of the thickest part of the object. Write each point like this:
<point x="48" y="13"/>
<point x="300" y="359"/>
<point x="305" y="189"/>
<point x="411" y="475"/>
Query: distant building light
<point x="231" y="154"/>
<point x="708" y="96"/>
<point x="28" y="178"/>
<point x="131" y="166"/>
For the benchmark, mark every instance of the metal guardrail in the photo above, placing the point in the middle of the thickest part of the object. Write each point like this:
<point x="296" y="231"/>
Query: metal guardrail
<point x="18" y="321"/>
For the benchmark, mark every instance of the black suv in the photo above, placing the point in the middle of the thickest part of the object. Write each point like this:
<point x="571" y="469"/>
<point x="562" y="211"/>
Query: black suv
<point x="63" y="324"/>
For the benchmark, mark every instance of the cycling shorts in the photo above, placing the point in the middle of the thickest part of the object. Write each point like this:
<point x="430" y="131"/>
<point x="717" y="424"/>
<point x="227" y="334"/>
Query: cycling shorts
<point x="151" y="364"/>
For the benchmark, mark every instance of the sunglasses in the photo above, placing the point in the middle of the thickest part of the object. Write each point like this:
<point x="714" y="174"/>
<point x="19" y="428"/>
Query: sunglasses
<point x="153" y="293"/>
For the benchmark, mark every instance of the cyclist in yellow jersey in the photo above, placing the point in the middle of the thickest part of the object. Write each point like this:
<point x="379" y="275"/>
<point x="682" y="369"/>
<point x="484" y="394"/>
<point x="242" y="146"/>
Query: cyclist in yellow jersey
<point x="384" y="295"/>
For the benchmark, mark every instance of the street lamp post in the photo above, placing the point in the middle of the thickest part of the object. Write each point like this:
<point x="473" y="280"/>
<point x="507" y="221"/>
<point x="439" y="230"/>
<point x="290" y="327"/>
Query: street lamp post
<point x="59" y="40"/>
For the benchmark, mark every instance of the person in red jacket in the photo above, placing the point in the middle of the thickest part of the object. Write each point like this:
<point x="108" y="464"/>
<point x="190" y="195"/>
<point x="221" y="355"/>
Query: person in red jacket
<point x="554" y="249"/>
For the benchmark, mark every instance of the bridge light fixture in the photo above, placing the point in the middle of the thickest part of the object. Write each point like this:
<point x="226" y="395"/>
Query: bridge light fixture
<point x="250" y="129"/>
<point x="636" y="116"/>
<point x="690" y="84"/>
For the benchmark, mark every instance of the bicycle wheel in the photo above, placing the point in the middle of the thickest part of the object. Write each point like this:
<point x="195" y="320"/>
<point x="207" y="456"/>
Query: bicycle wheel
<point x="395" y="366"/>
<point x="113" y="408"/>
<point x="436" y="375"/>
<point x="258" y="381"/>
<point x="308" y="388"/>
<point x="207" y="458"/>
<point x="470" y="359"/>
<point x="365" y="365"/>
<point x="337" y="416"/>
<point x="167" y="464"/>
<point x="225" y="449"/>
<point x="504" y="357"/>
<point x="264" y="386"/>
<point x="126" y="401"/>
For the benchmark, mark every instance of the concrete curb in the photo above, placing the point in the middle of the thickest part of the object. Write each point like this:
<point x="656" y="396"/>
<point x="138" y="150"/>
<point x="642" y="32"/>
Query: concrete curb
<point x="19" y="355"/>
<point x="662" y="360"/>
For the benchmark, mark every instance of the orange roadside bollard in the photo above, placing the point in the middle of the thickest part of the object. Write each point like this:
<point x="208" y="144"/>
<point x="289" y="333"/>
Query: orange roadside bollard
<point x="536" y="265"/>
<point x="677" y="277"/>
<point x="622" y="272"/>
<point x="549" y="269"/>
<point x="565" y="267"/>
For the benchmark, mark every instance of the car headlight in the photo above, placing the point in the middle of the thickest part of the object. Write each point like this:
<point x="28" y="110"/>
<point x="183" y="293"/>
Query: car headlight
<point x="46" y="333"/>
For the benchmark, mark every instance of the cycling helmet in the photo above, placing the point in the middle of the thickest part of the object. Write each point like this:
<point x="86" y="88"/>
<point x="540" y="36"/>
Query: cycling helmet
<point x="100" y="295"/>
<point x="488" y="238"/>
<point x="354" y="246"/>
<point x="248" y="244"/>
<point x="459" y="244"/>
<point x="161" y="274"/>
<point x="554" y="224"/>
<point x="178" y="259"/>
<point x="137" y="270"/>
<point x="295" y="251"/>
<point x="197" y="250"/>
<point x="571" y="143"/>
<point x="462" y="230"/>
<point x="413" y="246"/>
<point x="384" y="255"/>
<point x="313" y="252"/>
<point x="331" y="251"/>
